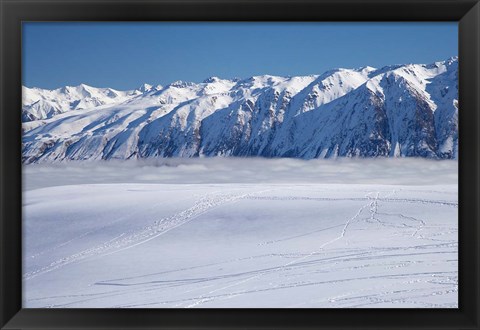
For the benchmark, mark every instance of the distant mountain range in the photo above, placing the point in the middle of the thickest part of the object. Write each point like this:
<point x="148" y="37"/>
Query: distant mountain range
<point x="406" y="110"/>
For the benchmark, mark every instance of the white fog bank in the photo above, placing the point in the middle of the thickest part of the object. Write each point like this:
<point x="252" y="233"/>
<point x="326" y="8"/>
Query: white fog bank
<point x="403" y="171"/>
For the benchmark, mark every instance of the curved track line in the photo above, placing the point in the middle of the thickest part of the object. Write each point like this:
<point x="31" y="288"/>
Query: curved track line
<point x="145" y="234"/>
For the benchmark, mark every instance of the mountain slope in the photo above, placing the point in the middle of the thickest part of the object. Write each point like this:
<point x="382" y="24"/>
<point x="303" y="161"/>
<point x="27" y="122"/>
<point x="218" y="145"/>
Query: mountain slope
<point x="397" y="111"/>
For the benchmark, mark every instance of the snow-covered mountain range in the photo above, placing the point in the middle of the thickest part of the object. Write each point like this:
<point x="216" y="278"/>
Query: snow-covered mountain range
<point x="396" y="111"/>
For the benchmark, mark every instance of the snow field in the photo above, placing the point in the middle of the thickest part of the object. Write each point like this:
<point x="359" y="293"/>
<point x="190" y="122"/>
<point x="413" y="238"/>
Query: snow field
<point x="133" y="245"/>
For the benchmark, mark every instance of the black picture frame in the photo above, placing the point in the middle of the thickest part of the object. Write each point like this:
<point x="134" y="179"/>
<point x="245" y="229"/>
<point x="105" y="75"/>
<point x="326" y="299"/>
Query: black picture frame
<point x="14" y="12"/>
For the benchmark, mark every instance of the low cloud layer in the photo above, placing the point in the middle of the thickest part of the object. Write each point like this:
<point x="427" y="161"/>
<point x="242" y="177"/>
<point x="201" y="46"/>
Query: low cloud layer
<point x="407" y="171"/>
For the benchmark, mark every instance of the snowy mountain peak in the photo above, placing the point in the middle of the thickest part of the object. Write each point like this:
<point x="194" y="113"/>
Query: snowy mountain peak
<point x="397" y="111"/>
<point x="366" y="69"/>
<point x="451" y="61"/>
<point x="145" y="88"/>
<point x="181" y="84"/>
<point x="212" y="79"/>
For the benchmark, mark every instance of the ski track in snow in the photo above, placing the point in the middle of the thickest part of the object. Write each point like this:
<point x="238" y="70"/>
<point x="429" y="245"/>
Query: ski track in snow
<point x="85" y="234"/>
<point x="338" y="251"/>
<point x="127" y="241"/>
<point x="373" y="210"/>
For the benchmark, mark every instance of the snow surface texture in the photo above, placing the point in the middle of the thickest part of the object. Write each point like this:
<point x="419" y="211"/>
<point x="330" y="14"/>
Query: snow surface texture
<point x="395" y="111"/>
<point x="299" y="237"/>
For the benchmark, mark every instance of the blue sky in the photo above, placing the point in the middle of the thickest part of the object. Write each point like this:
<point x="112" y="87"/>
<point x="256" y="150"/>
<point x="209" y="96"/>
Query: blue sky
<point x="125" y="55"/>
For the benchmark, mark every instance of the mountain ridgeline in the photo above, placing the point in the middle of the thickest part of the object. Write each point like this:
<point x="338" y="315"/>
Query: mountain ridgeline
<point x="397" y="111"/>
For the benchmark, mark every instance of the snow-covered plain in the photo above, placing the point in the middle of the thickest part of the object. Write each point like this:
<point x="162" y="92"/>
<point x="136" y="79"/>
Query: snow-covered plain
<point x="241" y="233"/>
